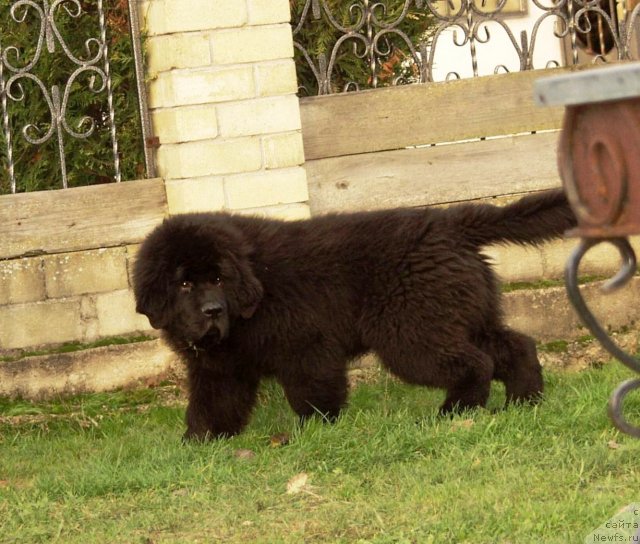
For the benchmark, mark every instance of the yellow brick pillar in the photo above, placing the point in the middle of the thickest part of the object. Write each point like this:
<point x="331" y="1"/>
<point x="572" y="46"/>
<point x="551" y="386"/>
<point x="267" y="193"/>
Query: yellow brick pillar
<point x="222" y="87"/>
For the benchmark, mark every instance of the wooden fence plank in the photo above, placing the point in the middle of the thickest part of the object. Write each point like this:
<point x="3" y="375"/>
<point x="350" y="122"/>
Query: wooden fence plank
<point x="397" y="117"/>
<point x="80" y="218"/>
<point x="434" y="175"/>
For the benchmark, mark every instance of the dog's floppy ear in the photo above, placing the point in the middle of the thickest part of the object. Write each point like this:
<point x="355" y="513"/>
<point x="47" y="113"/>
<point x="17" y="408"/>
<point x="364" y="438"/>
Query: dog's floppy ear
<point x="155" y="308"/>
<point x="151" y="294"/>
<point x="250" y="292"/>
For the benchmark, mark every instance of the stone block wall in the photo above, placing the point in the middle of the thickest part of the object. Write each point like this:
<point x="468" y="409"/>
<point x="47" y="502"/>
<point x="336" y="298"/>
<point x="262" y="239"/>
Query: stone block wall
<point x="68" y="297"/>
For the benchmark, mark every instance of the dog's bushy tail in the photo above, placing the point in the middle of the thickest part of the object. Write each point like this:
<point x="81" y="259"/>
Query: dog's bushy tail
<point x="531" y="220"/>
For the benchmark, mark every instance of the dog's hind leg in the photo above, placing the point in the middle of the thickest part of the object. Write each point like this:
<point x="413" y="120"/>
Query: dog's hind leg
<point x="517" y="364"/>
<point x="465" y="373"/>
<point x="469" y="377"/>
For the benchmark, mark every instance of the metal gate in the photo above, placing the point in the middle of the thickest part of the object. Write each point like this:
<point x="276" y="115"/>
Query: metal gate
<point x="72" y="96"/>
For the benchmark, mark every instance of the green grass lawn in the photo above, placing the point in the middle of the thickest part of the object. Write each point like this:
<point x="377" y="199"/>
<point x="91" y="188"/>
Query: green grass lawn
<point x="111" y="468"/>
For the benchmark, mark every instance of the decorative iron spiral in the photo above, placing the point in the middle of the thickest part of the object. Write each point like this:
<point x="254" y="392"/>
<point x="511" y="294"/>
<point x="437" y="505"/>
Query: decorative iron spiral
<point x="623" y="276"/>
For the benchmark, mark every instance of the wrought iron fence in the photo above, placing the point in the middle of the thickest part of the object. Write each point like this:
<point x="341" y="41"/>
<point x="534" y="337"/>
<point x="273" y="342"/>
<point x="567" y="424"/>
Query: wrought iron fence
<point x="342" y="46"/>
<point x="61" y="97"/>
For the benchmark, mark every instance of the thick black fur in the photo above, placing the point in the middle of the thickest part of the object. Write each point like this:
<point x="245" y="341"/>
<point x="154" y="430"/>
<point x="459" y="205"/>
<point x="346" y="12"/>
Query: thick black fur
<point x="242" y="298"/>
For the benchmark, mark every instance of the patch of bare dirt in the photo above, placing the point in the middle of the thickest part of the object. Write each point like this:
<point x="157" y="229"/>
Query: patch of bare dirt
<point x="588" y="353"/>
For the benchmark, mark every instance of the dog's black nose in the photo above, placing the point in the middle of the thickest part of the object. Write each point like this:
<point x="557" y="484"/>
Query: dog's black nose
<point x="212" y="309"/>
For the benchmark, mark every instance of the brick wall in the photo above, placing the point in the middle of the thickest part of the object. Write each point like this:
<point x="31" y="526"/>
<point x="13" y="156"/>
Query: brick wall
<point x="222" y="87"/>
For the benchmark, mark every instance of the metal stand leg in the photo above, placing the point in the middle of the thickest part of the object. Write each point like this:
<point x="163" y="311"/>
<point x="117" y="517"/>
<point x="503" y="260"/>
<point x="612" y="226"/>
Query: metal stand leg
<point x="625" y="274"/>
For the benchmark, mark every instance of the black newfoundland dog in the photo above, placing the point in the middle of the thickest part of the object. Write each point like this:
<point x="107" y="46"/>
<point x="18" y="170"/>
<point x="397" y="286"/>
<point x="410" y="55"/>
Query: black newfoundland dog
<point x="241" y="298"/>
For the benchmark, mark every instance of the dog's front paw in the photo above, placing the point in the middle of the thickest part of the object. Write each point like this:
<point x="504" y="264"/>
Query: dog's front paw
<point x="191" y="436"/>
<point x="206" y="435"/>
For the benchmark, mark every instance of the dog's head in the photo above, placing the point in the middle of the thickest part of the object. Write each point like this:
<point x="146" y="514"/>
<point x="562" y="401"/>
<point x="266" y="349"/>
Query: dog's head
<point x="192" y="277"/>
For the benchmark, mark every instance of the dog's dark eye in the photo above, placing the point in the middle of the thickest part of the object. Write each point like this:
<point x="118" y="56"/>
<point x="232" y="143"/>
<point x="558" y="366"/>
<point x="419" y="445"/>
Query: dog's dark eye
<point x="217" y="280"/>
<point x="186" y="286"/>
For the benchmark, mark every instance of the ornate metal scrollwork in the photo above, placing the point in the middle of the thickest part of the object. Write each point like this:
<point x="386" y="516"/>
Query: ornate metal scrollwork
<point x="378" y="29"/>
<point x="624" y="275"/>
<point x="92" y="68"/>
<point x="370" y="28"/>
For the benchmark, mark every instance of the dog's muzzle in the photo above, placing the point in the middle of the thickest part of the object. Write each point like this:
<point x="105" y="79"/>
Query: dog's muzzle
<point x="213" y="310"/>
<point x="216" y="313"/>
